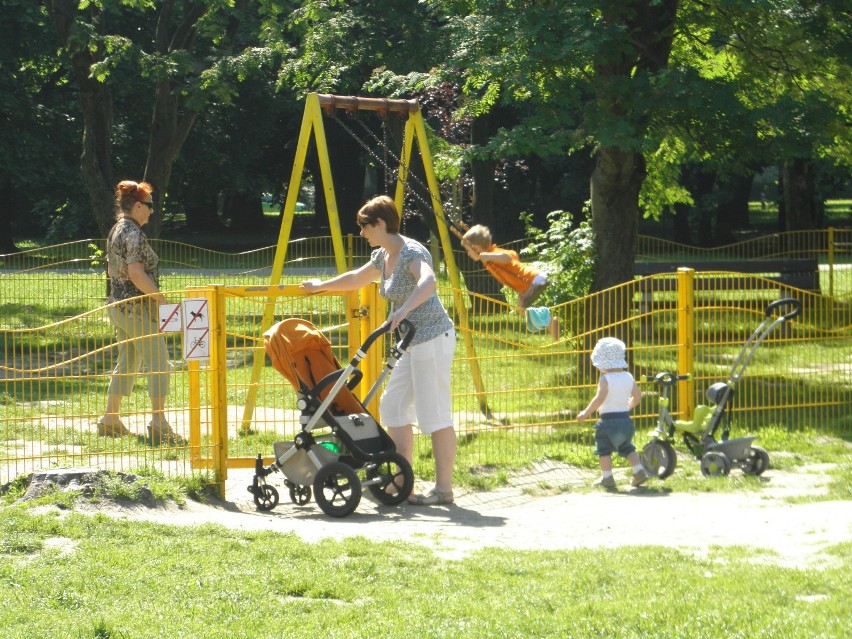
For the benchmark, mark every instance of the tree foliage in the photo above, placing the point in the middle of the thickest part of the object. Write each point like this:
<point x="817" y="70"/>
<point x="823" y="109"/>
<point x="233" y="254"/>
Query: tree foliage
<point x="660" y="105"/>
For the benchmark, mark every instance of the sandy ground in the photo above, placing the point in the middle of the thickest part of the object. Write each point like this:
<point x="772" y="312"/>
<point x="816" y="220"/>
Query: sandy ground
<point x="520" y="516"/>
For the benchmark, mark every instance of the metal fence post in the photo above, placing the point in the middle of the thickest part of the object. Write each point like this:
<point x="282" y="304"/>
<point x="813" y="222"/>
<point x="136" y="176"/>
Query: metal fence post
<point x="218" y="385"/>
<point x="685" y="341"/>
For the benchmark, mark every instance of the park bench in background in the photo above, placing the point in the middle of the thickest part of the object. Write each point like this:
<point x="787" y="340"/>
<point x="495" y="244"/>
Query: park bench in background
<point x="730" y="281"/>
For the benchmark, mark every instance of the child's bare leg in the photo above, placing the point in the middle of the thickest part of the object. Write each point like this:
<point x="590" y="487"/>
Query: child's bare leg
<point x="606" y="464"/>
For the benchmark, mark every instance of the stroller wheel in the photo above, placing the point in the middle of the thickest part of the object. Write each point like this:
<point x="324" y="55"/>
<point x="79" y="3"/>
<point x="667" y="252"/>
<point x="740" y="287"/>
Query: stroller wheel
<point x="756" y="462"/>
<point x="337" y="489"/>
<point x="300" y="495"/>
<point x="659" y="458"/>
<point x="714" y="464"/>
<point x="266" y="497"/>
<point x="394" y="472"/>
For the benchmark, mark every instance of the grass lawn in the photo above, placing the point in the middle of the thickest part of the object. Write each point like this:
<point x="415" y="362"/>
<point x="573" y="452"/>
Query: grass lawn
<point x="68" y="574"/>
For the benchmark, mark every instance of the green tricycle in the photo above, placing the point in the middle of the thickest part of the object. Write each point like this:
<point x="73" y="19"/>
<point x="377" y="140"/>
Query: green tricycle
<point x="698" y="434"/>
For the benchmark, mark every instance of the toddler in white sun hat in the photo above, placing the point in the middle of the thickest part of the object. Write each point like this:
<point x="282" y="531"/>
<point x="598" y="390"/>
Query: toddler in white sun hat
<point x="617" y="394"/>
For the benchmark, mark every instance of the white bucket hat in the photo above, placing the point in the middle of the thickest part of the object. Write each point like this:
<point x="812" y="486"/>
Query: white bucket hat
<point x="609" y="353"/>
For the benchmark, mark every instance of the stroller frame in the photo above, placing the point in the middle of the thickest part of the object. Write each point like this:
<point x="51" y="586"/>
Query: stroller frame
<point x="327" y="465"/>
<point x="698" y="434"/>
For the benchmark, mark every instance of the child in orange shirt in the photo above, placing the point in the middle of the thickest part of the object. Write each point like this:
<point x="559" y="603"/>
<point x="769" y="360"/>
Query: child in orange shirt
<point x="504" y="265"/>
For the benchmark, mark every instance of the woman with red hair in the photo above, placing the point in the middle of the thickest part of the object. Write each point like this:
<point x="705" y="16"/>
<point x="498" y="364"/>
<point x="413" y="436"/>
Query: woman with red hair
<point x="134" y="313"/>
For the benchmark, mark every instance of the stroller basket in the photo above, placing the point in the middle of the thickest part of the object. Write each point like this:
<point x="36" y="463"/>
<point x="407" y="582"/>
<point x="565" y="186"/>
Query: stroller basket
<point x="338" y="438"/>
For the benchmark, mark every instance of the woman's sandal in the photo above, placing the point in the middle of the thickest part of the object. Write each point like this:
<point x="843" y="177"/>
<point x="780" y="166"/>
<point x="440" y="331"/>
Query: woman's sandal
<point x="162" y="433"/>
<point x="432" y="498"/>
<point x="116" y="429"/>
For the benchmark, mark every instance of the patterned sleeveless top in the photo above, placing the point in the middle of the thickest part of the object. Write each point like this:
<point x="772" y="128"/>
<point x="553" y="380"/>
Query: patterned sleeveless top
<point x="430" y="319"/>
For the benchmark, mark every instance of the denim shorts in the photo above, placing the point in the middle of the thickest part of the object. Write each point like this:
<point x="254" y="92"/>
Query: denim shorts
<point x="614" y="433"/>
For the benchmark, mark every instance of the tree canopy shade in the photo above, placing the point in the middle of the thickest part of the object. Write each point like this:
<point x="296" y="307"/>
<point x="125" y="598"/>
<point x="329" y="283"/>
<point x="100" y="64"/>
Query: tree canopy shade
<point x="186" y="53"/>
<point x="40" y="189"/>
<point x="653" y="86"/>
<point x="643" y="106"/>
<point x="576" y="73"/>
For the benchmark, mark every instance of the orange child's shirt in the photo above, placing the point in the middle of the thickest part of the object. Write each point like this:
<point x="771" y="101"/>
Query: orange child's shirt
<point x="515" y="274"/>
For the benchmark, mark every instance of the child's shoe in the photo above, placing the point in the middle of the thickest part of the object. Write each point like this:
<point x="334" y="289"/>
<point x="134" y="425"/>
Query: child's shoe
<point x="639" y="478"/>
<point x="607" y="482"/>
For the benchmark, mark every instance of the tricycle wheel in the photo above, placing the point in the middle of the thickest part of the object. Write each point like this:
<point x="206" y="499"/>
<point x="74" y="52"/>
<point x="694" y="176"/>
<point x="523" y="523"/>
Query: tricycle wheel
<point x="756" y="462"/>
<point x="659" y="458"/>
<point x="337" y="489"/>
<point x="396" y="475"/>
<point x="300" y="495"/>
<point x="714" y="464"/>
<point x="265" y="497"/>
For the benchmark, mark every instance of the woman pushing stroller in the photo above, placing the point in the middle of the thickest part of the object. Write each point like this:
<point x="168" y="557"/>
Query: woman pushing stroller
<point x="419" y="389"/>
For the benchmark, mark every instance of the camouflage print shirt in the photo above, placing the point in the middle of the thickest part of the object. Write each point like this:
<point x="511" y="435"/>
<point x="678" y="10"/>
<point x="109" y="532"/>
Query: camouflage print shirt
<point x="126" y="244"/>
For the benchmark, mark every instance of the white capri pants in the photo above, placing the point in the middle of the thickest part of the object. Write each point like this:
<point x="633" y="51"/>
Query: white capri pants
<point x="419" y="389"/>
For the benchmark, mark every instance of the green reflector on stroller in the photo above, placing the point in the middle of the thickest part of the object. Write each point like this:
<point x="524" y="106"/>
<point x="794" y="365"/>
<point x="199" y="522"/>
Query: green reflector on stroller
<point x="332" y="446"/>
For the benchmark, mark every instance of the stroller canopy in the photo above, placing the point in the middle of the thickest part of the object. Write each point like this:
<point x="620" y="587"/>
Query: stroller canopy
<point x="303" y="356"/>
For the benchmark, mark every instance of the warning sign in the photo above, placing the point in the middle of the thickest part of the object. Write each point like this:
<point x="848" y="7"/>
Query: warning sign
<point x="195" y="313"/>
<point x="170" y="318"/>
<point x="196" y="343"/>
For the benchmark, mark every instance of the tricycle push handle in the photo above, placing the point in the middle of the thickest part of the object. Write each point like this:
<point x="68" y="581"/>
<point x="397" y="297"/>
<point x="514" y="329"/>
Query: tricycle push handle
<point x="787" y="301"/>
<point x="667" y="379"/>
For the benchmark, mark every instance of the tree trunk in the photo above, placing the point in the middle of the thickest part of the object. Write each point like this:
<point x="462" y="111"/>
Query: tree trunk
<point x="615" y="185"/>
<point x="732" y="210"/>
<point x="169" y="130"/>
<point x="680" y="224"/>
<point x="482" y="171"/>
<point x="482" y="212"/>
<point x="96" y="101"/>
<point x="245" y="210"/>
<point x="202" y="209"/>
<point x="11" y="201"/>
<point x="348" y="172"/>
<point x="799" y="180"/>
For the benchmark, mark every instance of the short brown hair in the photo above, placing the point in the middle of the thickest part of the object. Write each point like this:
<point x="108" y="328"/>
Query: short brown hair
<point x="128" y="193"/>
<point x="380" y="207"/>
<point x="479" y="235"/>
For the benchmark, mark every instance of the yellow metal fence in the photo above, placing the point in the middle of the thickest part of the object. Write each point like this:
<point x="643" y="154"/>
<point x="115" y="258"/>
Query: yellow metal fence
<point x="516" y="392"/>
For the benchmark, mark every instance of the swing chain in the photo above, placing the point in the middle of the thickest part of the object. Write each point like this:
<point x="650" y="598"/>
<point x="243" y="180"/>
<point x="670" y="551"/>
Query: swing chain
<point x="428" y="204"/>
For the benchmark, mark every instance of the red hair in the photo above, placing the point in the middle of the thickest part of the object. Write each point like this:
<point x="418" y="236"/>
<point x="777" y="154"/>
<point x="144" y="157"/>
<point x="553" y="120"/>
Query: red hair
<point x="128" y="193"/>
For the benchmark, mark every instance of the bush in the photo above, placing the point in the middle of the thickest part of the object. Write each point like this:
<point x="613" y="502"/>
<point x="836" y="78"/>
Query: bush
<point x="565" y="253"/>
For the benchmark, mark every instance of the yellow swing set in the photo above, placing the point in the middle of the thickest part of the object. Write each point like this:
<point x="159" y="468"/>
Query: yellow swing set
<point x="316" y="105"/>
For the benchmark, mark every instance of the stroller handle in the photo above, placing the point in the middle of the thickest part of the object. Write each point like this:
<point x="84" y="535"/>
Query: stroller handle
<point x="405" y="328"/>
<point x="787" y="301"/>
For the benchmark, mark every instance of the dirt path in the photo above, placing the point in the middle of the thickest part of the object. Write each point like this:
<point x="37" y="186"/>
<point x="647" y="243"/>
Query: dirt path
<point x="793" y="534"/>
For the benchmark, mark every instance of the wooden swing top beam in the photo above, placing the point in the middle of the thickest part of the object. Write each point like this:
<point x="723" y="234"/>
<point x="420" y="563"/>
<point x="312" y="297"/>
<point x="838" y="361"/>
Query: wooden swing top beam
<point x="351" y="104"/>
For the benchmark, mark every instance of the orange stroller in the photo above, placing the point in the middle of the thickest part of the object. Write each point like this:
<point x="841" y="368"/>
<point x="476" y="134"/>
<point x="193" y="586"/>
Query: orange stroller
<point x="340" y="448"/>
